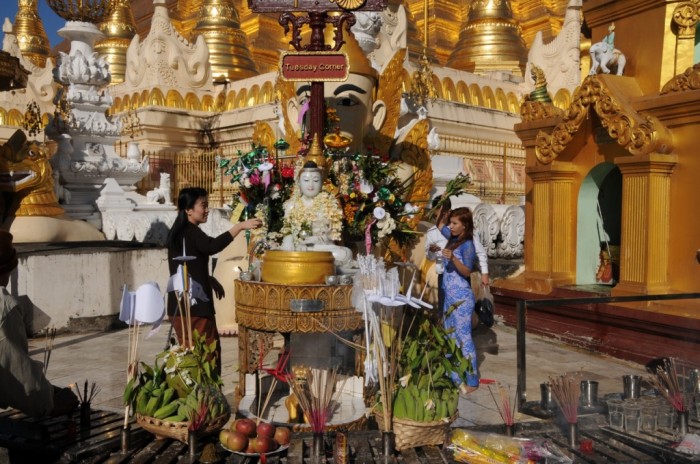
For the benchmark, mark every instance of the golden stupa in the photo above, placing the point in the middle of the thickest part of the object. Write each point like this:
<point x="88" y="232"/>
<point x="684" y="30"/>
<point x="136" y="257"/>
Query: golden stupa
<point x="490" y="40"/>
<point x="220" y="26"/>
<point x="30" y="33"/>
<point x="265" y="36"/>
<point x="119" y="28"/>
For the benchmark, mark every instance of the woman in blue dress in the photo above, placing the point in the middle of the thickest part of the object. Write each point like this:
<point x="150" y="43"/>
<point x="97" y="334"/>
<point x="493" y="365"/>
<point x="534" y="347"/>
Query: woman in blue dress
<point x="460" y="259"/>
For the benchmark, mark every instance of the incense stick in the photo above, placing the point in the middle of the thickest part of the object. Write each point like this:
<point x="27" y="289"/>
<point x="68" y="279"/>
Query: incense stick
<point x="48" y="347"/>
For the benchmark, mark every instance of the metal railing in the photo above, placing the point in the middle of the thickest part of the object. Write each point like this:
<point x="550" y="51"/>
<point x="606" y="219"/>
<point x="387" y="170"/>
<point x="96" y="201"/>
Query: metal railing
<point x="521" y="313"/>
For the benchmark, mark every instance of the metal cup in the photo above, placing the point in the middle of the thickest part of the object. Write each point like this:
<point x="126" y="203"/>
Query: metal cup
<point x="632" y="386"/>
<point x="332" y="280"/>
<point x="346" y="279"/>
<point x="589" y="393"/>
<point x="246" y="276"/>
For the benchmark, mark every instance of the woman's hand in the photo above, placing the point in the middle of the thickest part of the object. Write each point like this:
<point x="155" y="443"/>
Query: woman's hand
<point x="434" y="248"/>
<point x="251" y="224"/>
<point x="448" y="254"/>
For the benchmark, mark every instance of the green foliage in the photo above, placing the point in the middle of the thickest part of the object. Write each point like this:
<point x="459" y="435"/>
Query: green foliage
<point x="175" y="374"/>
<point x="429" y="354"/>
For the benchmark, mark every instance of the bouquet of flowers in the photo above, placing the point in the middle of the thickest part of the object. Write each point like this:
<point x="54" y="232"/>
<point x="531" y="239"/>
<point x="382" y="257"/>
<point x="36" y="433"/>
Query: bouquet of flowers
<point x="371" y="197"/>
<point x="264" y="185"/>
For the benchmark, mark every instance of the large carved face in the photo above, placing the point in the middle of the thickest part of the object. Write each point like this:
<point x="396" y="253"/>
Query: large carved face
<point x="360" y="114"/>
<point x="26" y="168"/>
<point x="310" y="183"/>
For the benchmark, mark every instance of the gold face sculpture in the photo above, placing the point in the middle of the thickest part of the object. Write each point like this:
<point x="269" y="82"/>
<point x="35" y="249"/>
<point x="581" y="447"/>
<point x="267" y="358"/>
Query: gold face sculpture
<point x="26" y="178"/>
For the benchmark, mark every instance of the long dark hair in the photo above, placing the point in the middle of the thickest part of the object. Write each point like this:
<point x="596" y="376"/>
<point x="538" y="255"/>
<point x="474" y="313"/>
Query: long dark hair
<point x="463" y="215"/>
<point x="185" y="200"/>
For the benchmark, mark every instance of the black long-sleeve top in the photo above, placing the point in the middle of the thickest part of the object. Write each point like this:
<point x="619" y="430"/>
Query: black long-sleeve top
<point x="201" y="246"/>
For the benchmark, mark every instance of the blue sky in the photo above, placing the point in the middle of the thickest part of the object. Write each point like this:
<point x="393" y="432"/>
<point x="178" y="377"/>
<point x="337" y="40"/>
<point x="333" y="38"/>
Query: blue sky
<point x="52" y="22"/>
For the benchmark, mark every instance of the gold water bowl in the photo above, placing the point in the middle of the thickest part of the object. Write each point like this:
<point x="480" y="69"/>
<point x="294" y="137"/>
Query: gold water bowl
<point x="297" y="267"/>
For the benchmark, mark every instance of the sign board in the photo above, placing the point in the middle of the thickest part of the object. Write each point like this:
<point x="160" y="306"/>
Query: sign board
<point x="314" y="66"/>
<point x="282" y="6"/>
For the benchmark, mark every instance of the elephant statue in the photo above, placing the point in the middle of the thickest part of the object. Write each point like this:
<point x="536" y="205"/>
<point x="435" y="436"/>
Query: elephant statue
<point x="603" y="57"/>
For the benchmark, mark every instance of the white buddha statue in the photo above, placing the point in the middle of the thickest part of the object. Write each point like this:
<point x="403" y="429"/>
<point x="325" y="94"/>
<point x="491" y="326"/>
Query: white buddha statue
<point x="313" y="219"/>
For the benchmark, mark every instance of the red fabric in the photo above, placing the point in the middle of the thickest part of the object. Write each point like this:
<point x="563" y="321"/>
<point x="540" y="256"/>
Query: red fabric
<point x="204" y="326"/>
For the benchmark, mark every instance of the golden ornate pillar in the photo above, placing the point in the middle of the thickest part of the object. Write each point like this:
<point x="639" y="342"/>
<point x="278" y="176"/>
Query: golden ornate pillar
<point x="646" y="205"/>
<point x="553" y="235"/>
<point x="685" y="17"/>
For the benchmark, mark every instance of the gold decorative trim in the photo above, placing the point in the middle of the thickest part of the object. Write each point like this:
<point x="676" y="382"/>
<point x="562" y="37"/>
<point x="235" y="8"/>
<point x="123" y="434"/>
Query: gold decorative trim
<point x="389" y="91"/>
<point x="265" y="306"/>
<point x="686" y="16"/>
<point x="534" y="110"/>
<point x="264" y="135"/>
<point x="689" y="80"/>
<point x="637" y="133"/>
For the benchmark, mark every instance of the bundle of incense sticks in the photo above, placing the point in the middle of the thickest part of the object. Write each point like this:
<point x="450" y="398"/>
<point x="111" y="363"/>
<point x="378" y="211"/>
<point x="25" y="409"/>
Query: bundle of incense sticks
<point x="566" y="389"/>
<point x="86" y="396"/>
<point x="666" y="382"/>
<point x="318" y="396"/>
<point x="504" y="405"/>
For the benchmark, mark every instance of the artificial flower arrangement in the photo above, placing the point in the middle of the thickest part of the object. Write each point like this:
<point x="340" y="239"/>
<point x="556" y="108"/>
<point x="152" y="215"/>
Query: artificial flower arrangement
<point x="264" y="184"/>
<point x="366" y="186"/>
<point x="371" y="197"/>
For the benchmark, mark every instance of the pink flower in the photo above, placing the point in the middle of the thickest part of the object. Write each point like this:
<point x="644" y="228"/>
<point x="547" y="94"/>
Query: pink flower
<point x="254" y="178"/>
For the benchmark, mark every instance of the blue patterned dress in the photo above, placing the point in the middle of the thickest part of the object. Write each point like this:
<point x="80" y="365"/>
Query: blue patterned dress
<point x="457" y="288"/>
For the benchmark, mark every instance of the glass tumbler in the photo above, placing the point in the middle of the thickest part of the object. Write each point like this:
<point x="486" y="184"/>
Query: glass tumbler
<point x="633" y="417"/>
<point x="648" y="421"/>
<point x="615" y="417"/>
<point x="666" y="418"/>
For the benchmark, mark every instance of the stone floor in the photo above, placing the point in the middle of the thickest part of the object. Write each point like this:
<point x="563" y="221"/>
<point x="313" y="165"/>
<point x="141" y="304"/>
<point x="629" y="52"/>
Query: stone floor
<point x="102" y="358"/>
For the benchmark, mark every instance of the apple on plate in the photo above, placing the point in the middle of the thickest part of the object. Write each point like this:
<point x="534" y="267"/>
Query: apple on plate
<point x="265" y="429"/>
<point x="237" y="441"/>
<point x="283" y="436"/>
<point x="246" y="426"/>
<point x="263" y="444"/>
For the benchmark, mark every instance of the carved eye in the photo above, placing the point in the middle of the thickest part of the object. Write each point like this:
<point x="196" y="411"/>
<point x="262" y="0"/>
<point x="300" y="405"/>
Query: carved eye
<point x="347" y="101"/>
<point x="31" y="154"/>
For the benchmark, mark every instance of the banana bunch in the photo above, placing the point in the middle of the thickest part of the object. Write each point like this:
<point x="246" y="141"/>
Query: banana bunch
<point x="206" y="399"/>
<point x="156" y="400"/>
<point x="423" y="405"/>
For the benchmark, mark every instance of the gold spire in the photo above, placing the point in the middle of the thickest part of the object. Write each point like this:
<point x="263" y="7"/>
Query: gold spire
<point x="264" y="36"/>
<point x="30" y="33"/>
<point x="490" y="40"/>
<point x="220" y="26"/>
<point x="119" y="28"/>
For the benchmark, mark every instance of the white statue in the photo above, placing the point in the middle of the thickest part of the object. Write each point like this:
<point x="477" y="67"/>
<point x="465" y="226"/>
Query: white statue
<point x="162" y="192"/>
<point x="313" y="219"/>
<point x="604" y="55"/>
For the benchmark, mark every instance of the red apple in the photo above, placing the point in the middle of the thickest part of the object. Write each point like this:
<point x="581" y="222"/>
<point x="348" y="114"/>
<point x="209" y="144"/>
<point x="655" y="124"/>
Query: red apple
<point x="237" y="441"/>
<point x="283" y="435"/>
<point x="263" y="444"/>
<point x="265" y="429"/>
<point x="246" y="427"/>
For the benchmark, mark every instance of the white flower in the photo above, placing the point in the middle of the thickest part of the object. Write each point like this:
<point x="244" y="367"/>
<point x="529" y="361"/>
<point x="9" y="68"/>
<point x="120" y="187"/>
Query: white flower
<point x="430" y="404"/>
<point x="266" y="166"/>
<point x="379" y="213"/>
<point x="410" y="209"/>
<point x="403" y="381"/>
<point x="366" y="187"/>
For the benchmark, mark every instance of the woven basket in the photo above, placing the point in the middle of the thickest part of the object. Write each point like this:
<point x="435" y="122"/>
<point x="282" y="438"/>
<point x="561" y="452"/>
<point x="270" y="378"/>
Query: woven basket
<point x="179" y="430"/>
<point x="412" y="434"/>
